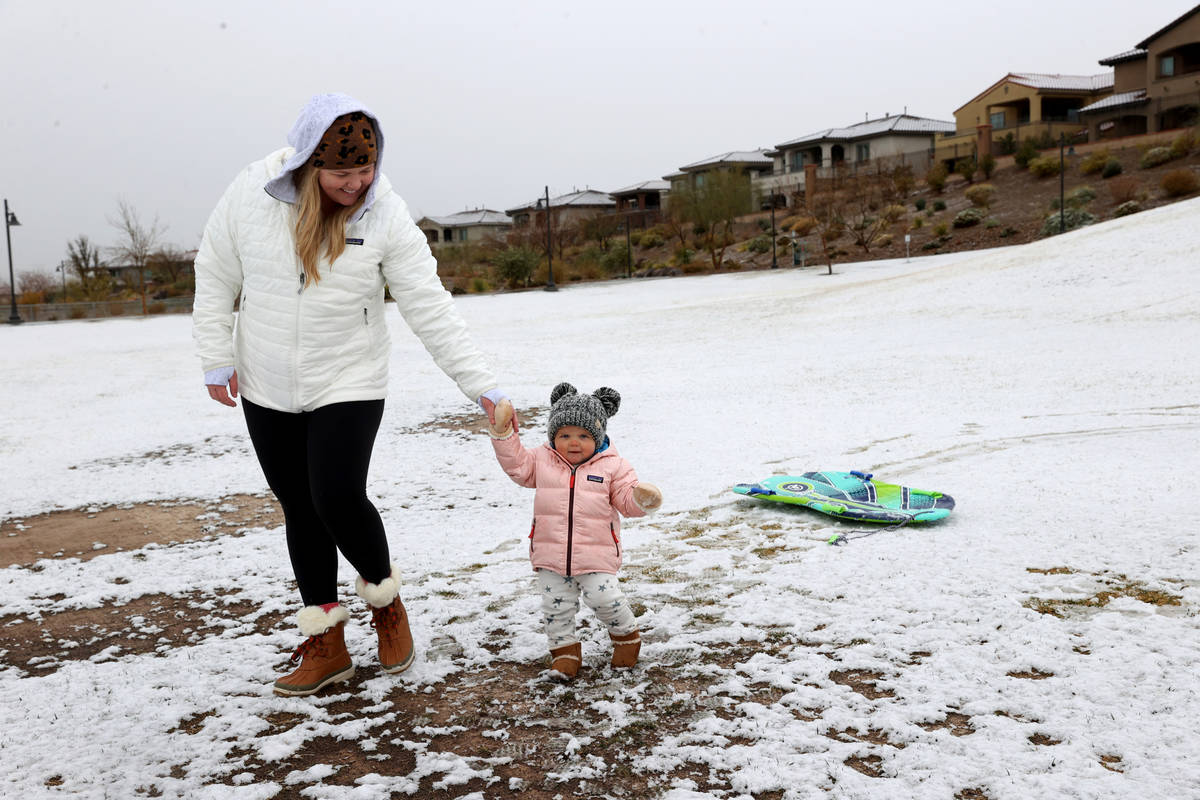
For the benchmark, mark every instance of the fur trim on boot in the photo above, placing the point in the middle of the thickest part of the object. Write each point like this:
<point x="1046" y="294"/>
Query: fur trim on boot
<point x="626" y="649"/>
<point x="379" y="595"/>
<point x="322" y="657"/>
<point x="314" y="620"/>
<point x="567" y="660"/>
<point x="390" y="621"/>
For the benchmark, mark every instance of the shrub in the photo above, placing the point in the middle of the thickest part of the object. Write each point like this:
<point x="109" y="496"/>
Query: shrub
<point x="515" y="265"/>
<point x="935" y="178"/>
<point x="650" y="238"/>
<point x="479" y="285"/>
<point x="987" y="165"/>
<point x="1044" y="166"/>
<point x="883" y="241"/>
<point x="1080" y="197"/>
<point x="801" y="226"/>
<point x="967" y="168"/>
<point x="1123" y="189"/>
<point x="1007" y="144"/>
<point x="1025" y="153"/>
<point x="941" y="229"/>
<point x="981" y="195"/>
<point x="917" y="223"/>
<point x="1127" y="208"/>
<point x="939" y="205"/>
<point x="894" y="212"/>
<point x="919" y="204"/>
<point x="1184" y="143"/>
<point x="1112" y="168"/>
<point x="682" y="255"/>
<point x="1062" y="221"/>
<point x="156" y="308"/>
<point x="635" y="237"/>
<point x="1094" y="162"/>
<point x="760" y="243"/>
<point x="968" y="217"/>
<point x="616" y="260"/>
<point x="1155" y="156"/>
<point x="1179" y="182"/>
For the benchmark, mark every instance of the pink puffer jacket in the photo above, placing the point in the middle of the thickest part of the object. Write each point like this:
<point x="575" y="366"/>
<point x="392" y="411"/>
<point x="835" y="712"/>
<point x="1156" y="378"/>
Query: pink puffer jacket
<point x="576" y="525"/>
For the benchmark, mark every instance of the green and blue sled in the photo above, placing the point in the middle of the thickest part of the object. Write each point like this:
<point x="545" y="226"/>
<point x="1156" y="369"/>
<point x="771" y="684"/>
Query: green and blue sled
<point x="853" y="496"/>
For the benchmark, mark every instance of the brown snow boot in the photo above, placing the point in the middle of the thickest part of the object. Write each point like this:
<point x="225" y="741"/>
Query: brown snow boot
<point x="626" y="648"/>
<point x="390" y="621"/>
<point x="323" y="657"/>
<point x="566" y="660"/>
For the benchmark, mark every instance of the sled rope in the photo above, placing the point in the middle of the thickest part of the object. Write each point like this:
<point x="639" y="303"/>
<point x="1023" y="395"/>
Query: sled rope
<point x="843" y="538"/>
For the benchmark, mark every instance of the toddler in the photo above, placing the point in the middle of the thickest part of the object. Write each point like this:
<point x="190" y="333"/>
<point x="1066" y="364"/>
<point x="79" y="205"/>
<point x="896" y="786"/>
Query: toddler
<point x="582" y="487"/>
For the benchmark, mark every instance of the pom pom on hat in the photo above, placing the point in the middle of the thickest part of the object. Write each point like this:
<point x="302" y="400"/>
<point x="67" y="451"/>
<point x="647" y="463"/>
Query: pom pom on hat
<point x="587" y="411"/>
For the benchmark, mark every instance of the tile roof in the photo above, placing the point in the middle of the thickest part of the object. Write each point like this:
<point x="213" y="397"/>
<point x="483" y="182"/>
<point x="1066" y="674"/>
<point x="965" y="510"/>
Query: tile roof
<point x="1078" y="83"/>
<point x="734" y="157"/>
<point x="1128" y="55"/>
<point x="1114" y="101"/>
<point x="645" y="186"/>
<point x="586" y="197"/>
<point x="477" y="216"/>
<point x="900" y="123"/>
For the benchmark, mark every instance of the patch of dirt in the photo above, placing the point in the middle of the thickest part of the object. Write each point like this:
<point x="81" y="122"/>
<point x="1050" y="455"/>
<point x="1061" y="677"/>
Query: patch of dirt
<point x="1034" y="674"/>
<point x="958" y="723"/>
<point x="1044" y="740"/>
<point x="94" y="531"/>
<point x="861" y="681"/>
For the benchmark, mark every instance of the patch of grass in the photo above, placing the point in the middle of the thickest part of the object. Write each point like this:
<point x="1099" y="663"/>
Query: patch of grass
<point x="1050" y="570"/>
<point x="1117" y="586"/>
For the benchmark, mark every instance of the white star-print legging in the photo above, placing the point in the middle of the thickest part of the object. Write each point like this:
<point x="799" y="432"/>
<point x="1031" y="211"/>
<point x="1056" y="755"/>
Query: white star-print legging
<point x="560" y="603"/>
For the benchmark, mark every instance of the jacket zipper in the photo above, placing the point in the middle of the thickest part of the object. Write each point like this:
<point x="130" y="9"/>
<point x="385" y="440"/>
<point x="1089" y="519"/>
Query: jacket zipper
<point x="616" y="542"/>
<point x="570" y="519"/>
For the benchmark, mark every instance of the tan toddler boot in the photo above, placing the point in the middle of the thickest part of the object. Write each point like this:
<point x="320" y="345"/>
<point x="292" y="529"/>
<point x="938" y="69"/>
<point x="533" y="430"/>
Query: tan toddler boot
<point x="626" y="649"/>
<point x="566" y="660"/>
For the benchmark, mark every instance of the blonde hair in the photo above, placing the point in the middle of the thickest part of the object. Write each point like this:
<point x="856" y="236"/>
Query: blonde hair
<point x="316" y="230"/>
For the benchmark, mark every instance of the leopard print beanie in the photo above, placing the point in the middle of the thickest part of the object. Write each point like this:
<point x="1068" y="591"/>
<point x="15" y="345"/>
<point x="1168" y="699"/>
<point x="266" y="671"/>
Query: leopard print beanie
<point x="349" y="142"/>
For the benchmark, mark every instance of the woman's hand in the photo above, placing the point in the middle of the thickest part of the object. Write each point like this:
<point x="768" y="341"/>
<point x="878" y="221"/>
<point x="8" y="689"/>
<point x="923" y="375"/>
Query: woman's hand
<point x="215" y="381"/>
<point x="490" y="401"/>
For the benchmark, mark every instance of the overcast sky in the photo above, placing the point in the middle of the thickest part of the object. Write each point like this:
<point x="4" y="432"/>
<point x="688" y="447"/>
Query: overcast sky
<point x="482" y="103"/>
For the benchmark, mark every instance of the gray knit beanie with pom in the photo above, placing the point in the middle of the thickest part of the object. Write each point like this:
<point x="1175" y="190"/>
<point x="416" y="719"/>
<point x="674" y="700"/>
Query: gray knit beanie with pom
<point x="587" y="411"/>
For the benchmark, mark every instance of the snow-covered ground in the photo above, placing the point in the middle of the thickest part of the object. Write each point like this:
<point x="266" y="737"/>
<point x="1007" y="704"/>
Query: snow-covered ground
<point x="1050" y="388"/>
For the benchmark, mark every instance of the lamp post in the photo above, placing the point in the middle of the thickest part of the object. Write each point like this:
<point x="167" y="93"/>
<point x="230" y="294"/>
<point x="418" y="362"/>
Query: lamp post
<point x="62" y="267"/>
<point x="10" y="219"/>
<point x="1062" y="182"/>
<point x="549" y="287"/>
<point x="628" y="250"/>
<point x="774" y="259"/>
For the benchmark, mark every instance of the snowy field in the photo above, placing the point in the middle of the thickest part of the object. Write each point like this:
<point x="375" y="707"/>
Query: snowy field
<point x="1044" y="641"/>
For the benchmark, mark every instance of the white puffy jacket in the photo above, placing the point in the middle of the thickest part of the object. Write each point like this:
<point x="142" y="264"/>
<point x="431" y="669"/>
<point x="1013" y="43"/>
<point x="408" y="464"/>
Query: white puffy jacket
<point x="299" y="347"/>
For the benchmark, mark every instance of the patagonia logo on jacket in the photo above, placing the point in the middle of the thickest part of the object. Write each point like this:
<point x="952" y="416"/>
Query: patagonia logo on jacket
<point x="595" y="478"/>
<point x="354" y="241"/>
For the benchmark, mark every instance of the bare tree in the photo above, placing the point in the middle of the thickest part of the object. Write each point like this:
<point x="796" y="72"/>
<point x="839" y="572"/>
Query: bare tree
<point x="34" y="286"/>
<point x="137" y="241"/>
<point x="713" y="207"/>
<point x="83" y="258"/>
<point x="168" y="263"/>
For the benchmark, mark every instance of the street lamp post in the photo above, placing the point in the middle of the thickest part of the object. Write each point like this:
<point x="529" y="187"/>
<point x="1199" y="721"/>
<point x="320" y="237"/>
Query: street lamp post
<point x="62" y="267"/>
<point x="10" y="219"/>
<point x="774" y="259"/>
<point x="1062" y="182"/>
<point x="549" y="287"/>
<point x="628" y="251"/>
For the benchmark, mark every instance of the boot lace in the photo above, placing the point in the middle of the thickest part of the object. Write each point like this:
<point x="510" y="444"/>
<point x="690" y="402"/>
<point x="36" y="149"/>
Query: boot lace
<point x="385" y="620"/>
<point x="313" y="644"/>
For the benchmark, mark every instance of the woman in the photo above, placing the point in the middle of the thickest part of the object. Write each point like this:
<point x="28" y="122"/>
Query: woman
<point x="304" y="241"/>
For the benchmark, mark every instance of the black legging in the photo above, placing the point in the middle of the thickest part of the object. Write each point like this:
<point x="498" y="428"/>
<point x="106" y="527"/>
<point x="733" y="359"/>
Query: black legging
<point x="316" y="464"/>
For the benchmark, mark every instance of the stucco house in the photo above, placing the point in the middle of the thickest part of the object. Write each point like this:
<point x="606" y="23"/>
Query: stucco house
<point x="566" y="209"/>
<point x="476" y="225"/>
<point x="747" y="163"/>
<point x="890" y="140"/>
<point x="1025" y="105"/>
<point x="1156" y="85"/>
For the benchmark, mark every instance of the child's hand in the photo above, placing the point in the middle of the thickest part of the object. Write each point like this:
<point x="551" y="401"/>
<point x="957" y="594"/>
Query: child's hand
<point x="503" y="424"/>
<point x="647" y="496"/>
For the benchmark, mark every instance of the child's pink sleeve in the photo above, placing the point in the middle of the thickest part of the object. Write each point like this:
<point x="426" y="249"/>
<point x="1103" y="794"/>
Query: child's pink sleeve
<point x="518" y="461"/>
<point x="622" y="484"/>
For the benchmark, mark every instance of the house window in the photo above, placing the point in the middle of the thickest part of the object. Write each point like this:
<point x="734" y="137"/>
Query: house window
<point x="699" y="181"/>
<point x="1166" y="66"/>
<point x="862" y="152"/>
<point x="462" y="234"/>
<point x="797" y="160"/>
<point x="997" y="119"/>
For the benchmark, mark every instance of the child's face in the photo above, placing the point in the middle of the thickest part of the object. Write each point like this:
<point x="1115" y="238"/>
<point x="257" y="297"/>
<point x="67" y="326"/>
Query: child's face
<point x="574" y="444"/>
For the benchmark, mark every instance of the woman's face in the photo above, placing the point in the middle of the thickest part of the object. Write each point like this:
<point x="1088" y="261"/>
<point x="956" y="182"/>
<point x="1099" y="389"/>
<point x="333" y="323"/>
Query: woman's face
<point x="345" y="186"/>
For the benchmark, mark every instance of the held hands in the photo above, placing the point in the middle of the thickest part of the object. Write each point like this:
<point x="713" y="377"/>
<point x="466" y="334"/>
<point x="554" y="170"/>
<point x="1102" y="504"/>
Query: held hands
<point x="490" y="402"/>
<point x="647" y="496"/>
<point x="502" y="420"/>
<point x="215" y="381"/>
